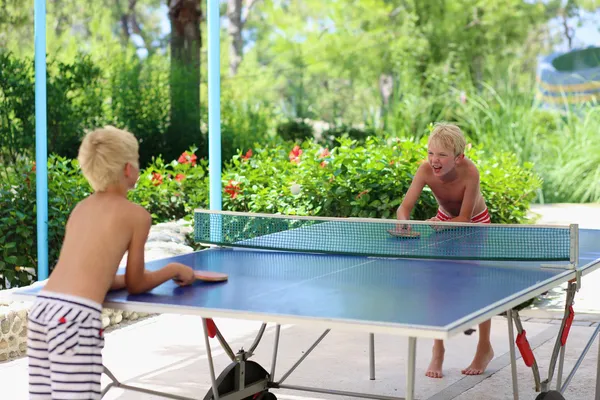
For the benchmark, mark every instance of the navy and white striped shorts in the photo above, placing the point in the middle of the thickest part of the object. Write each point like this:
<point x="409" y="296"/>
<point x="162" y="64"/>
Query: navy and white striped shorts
<point x="64" y="347"/>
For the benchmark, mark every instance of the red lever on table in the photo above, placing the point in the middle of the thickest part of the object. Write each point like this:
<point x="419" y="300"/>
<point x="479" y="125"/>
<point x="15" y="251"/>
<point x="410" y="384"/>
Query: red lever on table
<point x="211" y="328"/>
<point x="525" y="349"/>
<point x="568" y="322"/>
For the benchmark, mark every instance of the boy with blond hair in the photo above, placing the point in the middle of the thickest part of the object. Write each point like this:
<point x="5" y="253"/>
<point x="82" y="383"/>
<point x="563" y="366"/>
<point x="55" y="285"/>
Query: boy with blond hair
<point x="454" y="181"/>
<point x="65" y="339"/>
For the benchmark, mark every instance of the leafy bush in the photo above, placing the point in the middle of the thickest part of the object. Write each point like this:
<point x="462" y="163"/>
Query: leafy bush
<point x="363" y="180"/>
<point x="18" y="224"/>
<point x="295" y="131"/>
<point x="331" y="135"/>
<point x="75" y="102"/>
<point x="242" y="127"/>
<point x="167" y="191"/>
<point x="171" y="191"/>
<point x="350" y="180"/>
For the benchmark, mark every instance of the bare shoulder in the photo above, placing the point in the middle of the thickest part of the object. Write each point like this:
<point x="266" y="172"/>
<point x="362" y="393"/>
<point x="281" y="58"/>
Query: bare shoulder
<point x="136" y="214"/>
<point x="80" y="210"/>
<point x="424" y="172"/>
<point x="471" y="172"/>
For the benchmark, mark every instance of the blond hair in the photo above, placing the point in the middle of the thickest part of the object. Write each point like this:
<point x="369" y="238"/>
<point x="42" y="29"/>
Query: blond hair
<point x="104" y="153"/>
<point x="448" y="136"/>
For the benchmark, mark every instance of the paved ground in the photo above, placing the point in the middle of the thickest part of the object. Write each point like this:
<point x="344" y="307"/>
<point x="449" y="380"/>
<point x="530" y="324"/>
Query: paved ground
<point x="587" y="216"/>
<point x="150" y="355"/>
<point x="167" y="352"/>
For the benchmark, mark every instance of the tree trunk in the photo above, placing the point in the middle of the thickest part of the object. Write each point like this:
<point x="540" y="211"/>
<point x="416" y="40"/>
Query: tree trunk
<point x="237" y="19"/>
<point x="386" y="89"/>
<point x="234" y="29"/>
<point x="185" y="17"/>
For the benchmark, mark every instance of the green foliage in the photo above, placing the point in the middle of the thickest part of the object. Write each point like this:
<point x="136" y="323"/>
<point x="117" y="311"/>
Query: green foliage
<point x="330" y="136"/>
<point x="507" y="186"/>
<point x="139" y="103"/>
<point x="243" y="127"/>
<point x="75" y="103"/>
<point x="353" y="179"/>
<point x="295" y="131"/>
<point x="562" y="147"/>
<point x="170" y="191"/>
<point x="167" y="191"/>
<point x="18" y="224"/>
<point x="363" y="180"/>
<point x="16" y="108"/>
<point x="571" y="167"/>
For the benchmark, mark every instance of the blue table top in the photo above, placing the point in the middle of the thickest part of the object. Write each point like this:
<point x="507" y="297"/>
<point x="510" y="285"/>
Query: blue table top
<point x="435" y="295"/>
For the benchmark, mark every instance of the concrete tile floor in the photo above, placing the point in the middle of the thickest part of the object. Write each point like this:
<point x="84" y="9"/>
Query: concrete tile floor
<point x="166" y="353"/>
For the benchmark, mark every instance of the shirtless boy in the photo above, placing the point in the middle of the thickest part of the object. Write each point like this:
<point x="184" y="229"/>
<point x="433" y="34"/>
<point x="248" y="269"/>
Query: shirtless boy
<point x="454" y="181"/>
<point x="65" y="338"/>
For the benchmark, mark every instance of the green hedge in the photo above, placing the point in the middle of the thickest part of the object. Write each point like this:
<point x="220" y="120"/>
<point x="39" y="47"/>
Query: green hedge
<point x="353" y="179"/>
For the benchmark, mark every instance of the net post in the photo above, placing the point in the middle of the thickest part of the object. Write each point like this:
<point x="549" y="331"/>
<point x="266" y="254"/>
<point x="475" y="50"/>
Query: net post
<point x="574" y="252"/>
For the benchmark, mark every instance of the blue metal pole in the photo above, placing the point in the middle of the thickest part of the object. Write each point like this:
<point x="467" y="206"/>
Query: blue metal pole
<point x="214" y="106"/>
<point x="41" y="146"/>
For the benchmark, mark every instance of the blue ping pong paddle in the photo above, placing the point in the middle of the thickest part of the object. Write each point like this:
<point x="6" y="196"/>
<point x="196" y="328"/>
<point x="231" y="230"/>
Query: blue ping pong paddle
<point x="405" y="234"/>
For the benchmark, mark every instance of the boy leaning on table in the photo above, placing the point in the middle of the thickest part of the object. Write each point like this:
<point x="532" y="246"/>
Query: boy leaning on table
<point x="65" y="338"/>
<point x="454" y="181"/>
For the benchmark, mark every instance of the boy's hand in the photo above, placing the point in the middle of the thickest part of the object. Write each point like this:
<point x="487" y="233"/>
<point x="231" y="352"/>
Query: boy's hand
<point x="402" y="228"/>
<point x="184" y="275"/>
<point x="436" y="227"/>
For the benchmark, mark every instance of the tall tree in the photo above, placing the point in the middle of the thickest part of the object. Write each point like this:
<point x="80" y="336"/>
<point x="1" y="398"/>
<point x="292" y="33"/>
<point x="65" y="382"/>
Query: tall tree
<point x="186" y="41"/>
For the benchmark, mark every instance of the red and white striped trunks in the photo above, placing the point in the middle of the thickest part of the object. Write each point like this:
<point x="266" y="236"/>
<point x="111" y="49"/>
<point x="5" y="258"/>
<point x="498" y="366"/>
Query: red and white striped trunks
<point x="481" y="218"/>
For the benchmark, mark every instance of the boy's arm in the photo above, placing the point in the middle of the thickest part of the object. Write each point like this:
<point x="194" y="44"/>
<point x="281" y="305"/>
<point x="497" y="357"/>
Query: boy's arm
<point x="413" y="193"/>
<point x="118" y="283"/>
<point x="137" y="279"/>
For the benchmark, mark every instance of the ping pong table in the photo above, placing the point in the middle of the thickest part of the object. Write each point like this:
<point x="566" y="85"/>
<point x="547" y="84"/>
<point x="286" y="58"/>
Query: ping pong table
<point x="351" y="274"/>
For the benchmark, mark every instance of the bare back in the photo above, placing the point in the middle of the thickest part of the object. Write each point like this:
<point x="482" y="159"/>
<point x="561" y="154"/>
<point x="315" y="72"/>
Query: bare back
<point x="97" y="235"/>
<point x="451" y="194"/>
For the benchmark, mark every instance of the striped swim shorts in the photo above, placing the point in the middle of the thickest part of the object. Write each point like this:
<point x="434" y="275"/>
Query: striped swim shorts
<point x="64" y="347"/>
<point x="481" y="218"/>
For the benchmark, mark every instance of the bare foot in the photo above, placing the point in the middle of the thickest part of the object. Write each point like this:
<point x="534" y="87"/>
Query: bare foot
<point x="483" y="356"/>
<point x="435" y="366"/>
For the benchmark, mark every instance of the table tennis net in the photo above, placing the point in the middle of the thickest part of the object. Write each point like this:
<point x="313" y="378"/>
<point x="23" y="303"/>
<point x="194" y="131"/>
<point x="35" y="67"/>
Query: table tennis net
<point x="371" y="237"/>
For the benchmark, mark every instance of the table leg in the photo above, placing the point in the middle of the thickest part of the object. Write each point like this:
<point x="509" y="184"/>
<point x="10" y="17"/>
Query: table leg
<point x="513" y="360"/>
<point x="598" y="373"/>
<point x="371" y="356"/>
<point x="210" y="361"/>
<point x="275" y="348"/>
<point x="410" y="368"/>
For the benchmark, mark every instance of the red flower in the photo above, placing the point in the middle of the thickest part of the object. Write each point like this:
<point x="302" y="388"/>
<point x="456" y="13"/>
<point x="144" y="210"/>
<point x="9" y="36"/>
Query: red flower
<point x="247" y="155"/>
<point x="324" y="153"/>
<point x="179" y="177"/>
<point x="233" y="189"/>
<point x="156" y="178"/>
<point x="295" y="154"/>
<point x="187" y="157"/>
<point x="33" y="167"/>
<point x="323" y="164"/>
